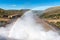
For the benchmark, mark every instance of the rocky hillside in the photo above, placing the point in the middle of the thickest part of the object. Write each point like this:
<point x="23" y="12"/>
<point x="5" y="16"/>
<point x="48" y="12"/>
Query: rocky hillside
<point x="52" y="16"/>
<point x="52" y="13"/>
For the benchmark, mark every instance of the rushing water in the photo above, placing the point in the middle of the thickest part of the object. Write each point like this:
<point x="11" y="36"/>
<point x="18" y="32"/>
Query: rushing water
<point x="26" y="28"/>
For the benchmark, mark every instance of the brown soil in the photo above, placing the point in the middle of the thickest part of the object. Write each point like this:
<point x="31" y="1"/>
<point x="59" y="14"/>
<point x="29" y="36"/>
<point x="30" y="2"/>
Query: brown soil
<point x="47" y="27"/>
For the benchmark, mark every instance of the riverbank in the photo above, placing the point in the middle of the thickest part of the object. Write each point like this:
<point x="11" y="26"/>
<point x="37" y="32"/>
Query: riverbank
<point x="46" y="25"/>
<point x="4" y="31"/>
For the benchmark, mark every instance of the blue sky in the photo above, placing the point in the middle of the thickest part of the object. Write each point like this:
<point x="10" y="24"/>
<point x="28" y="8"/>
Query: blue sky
<point x="26" y="4"/>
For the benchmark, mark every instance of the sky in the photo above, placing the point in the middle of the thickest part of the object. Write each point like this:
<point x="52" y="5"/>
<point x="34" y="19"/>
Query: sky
<point x="28" y="4"/>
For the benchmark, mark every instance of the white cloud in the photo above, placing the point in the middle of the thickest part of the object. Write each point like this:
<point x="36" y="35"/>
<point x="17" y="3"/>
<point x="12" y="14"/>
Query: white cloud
<point x="13" y="5"/>
<point x="41" y="7"/>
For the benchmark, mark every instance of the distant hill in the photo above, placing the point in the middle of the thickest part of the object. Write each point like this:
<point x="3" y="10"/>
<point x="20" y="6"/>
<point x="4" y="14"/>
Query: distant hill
<point x="4" y="12"/>
<point x="37" y="12"/>
<point x="53" y="12"/>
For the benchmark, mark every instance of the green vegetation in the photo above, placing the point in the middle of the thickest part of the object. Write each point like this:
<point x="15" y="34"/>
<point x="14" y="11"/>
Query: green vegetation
<point x="52" y="14"/>
<point x="58" y="24"/>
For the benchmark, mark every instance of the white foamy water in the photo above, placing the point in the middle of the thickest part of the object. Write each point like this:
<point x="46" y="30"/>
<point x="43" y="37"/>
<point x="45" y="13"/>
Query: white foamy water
<point x="26" y="28"/>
